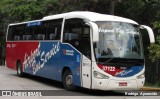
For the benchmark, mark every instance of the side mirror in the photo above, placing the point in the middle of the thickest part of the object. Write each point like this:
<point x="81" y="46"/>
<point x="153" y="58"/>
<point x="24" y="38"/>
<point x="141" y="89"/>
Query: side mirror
<point x="150" y="32"/>
<point x="95" y="32"/>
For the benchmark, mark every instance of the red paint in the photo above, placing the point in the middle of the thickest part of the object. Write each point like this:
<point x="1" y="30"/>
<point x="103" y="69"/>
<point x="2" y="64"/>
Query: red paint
<point x="16" y="51"/>
<point x="112" y="70"/>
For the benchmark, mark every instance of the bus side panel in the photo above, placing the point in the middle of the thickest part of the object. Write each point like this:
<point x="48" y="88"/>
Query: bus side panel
<point x="16" y="51"/>
<point x="45" y="59"/>
<point x="49" y="59"/>
<point x="70" y="58"/>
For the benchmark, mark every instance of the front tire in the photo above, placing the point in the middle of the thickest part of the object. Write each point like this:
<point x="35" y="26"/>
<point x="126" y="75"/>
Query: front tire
<point x="19" y="69"/>
<point x="68" y="80"/>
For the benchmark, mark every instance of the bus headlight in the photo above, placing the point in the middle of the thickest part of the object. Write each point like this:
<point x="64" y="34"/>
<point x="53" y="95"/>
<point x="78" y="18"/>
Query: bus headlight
<point x="141" y="76"/>
<point x="100" y="75"/>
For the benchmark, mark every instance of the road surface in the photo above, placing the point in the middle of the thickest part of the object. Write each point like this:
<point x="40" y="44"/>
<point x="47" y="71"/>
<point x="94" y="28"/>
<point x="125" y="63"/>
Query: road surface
<point x="49" y="89"/>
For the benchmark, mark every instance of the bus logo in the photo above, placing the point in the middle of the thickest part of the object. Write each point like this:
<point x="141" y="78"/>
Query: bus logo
<point x="68" y="52"/>
<point x="30" y="61"/>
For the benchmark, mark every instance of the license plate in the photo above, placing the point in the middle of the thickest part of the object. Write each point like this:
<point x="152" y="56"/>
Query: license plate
<point x="122" y="83"/>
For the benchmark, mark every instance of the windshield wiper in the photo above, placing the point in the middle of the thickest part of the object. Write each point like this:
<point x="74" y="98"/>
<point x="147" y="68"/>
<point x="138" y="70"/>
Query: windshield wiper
<point x="121" y="61"/>
<point x="134" y="62"/>
<point x="111" y="59"/>
<point x="108" y="60"/>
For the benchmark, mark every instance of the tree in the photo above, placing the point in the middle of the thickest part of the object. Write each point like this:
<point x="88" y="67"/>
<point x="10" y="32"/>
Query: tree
<point x="112" y="6"/>
<point x="154" y="49"/>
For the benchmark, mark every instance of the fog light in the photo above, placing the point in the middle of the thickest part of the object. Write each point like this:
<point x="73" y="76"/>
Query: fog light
<point x="141" y="76"/>
<point x="100" y="75"/>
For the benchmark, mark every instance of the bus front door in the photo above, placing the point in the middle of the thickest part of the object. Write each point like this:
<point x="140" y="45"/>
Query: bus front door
<point x="86" y="72"/>
<point x="86" y="62"/>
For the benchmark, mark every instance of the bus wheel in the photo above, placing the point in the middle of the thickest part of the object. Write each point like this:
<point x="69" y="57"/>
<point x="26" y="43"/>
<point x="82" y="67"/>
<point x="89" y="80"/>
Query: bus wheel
<point x="19" y="69"/>
<point x="68" y="80"/>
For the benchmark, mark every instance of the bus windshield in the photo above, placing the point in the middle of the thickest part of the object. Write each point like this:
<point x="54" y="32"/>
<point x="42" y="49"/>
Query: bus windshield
<point x="118" y="40"/>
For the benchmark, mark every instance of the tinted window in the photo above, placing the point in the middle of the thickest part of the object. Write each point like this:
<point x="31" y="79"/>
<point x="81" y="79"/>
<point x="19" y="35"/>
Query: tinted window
<point x="16" y="32"/>
<point x="40" y="30"/>
<point x="54" y="29"/>
<point x="77" y="34"/>
<point x="72" y="32"/>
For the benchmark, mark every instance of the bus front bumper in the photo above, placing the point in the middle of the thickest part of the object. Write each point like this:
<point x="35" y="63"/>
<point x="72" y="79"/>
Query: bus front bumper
<point x="106" y="84"/>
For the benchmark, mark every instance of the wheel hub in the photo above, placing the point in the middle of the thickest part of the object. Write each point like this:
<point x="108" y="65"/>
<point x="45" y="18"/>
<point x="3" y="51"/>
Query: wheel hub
<point x="69" y="80"/>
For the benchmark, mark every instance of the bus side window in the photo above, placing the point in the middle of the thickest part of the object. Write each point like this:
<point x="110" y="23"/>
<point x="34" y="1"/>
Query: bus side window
<point x="15" y="32"/>
<point x="38" y="32"/>
<point x="86" y="46"/>
<point x="16" y="37"/>
<point x="54" y="33"/>
<point x="52" y="36"/>
<point x="27" y="37"/>
<point x="40" y="36"/>
<point x="77" y="34"/>
<point x="73" y="31"/>
<point x="10" y="35"/>
<point x="54" y="29"/>
<point x="72" y="38"/>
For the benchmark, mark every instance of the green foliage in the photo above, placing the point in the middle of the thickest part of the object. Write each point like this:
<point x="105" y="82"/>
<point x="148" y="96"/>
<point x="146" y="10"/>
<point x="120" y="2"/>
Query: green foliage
<point x="143" y="11"/>
<point x="22" y="11"/>
<point x="154" y="51"/>
<point x="157" y="84"/>
<point x="156" y="24"/>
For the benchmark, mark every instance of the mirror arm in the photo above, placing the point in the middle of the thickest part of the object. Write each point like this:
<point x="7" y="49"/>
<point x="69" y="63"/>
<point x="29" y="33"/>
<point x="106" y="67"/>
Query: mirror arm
<point x="95" y="34"/>
<point x="150" y="32"/>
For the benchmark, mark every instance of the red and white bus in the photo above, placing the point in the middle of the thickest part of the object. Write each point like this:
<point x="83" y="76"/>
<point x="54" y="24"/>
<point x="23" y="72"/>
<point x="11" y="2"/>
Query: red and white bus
<point x="85" y="49"/>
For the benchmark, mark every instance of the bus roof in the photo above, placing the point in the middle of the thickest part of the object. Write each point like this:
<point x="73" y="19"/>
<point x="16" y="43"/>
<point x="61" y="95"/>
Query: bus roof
<point x="92" y="16"/>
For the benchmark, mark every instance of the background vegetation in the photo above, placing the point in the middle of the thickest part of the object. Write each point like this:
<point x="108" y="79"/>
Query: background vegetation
<point x="143" y="11"/>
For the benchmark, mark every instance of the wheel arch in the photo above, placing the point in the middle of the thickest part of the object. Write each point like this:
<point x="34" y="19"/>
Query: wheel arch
<point x="19" y="68"/>
<point x="18" y="61"/>
<point x="66" y="73"/>
<point x="63" y="70"/>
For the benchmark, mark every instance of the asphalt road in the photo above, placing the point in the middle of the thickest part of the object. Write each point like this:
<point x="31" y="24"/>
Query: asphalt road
<point x="49" y="89"/>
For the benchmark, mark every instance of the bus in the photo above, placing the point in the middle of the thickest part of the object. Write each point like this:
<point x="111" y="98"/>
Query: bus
<point x="80" y="49"/>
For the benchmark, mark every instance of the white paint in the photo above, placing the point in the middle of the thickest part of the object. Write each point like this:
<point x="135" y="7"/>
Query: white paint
<point x="44" y="57"/>
<point x="86" y="72"/>
<point x="91" y="16"/>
